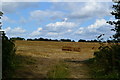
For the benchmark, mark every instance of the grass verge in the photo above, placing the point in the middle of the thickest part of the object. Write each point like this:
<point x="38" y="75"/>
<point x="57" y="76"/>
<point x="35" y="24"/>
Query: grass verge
<point x="20" y="62"/>
<point x="59" y="71"/>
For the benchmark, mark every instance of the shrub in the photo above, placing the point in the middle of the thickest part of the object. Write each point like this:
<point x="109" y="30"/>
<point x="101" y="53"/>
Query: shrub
<point x="107" y="61"/>
<point x="8" y="53"/>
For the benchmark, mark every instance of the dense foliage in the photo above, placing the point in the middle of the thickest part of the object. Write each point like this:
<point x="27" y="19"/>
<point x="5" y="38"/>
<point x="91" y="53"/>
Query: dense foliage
<point x="16" y="38"/>
<point x="116" y="23"/>
<point x="106" y="63"/>
<point x="8" y="54"/>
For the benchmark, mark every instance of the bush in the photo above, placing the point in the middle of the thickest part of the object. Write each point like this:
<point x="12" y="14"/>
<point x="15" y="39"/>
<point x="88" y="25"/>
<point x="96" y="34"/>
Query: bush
<point x="8" y="54"/>
<point x="107" y="62"/>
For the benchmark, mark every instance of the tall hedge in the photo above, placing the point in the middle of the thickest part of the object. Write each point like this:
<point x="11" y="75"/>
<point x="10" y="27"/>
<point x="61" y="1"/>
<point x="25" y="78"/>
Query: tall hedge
<point x="107" y="61"/>
<point x="8" y="53"/>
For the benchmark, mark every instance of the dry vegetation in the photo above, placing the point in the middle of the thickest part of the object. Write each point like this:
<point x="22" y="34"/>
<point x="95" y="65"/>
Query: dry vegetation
<point x="39" y="57"/>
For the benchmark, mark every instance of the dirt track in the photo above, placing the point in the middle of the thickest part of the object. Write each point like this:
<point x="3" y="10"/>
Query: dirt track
<point x="39" y="57"/>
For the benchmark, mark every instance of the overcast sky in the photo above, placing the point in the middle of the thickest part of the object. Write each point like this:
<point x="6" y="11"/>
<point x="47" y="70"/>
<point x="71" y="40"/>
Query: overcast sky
<point x="56" y="20"/>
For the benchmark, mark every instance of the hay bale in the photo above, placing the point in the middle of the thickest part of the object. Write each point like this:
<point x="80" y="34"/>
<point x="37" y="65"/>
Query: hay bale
<point x="69" y="48"/>
<point x="66" y="48"/>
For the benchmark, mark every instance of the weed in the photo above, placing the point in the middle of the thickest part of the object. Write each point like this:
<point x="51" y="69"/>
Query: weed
<point x="59" y="71"/>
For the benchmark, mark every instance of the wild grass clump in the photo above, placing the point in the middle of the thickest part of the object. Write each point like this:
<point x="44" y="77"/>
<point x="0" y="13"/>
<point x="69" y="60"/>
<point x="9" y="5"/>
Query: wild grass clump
<point x="106" y="63"/>
<point x="59" y="71"/>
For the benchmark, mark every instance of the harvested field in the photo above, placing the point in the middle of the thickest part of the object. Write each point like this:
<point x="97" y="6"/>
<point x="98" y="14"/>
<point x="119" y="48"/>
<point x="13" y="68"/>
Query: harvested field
<point x="40" y="57"/>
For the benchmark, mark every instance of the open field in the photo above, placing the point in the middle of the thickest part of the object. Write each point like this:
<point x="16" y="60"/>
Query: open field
<point x="39" y="58"/>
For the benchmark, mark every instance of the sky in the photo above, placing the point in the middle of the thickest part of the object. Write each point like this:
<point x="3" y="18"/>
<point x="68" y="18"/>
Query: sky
<point x="57" y="20"/>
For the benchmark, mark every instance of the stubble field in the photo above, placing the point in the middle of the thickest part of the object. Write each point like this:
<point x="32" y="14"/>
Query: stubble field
<point x="44" y="59"/>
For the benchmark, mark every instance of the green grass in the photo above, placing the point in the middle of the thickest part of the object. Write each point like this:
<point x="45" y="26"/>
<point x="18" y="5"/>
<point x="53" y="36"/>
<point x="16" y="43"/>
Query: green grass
<point x="99" y="73"/>
<point x="21" y="60"/>
<point x="19" y="63"/>
<point x="59" y="71"/>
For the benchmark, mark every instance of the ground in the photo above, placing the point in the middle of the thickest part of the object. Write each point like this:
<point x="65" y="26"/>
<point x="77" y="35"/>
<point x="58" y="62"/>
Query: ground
<point x="38" y="58"/>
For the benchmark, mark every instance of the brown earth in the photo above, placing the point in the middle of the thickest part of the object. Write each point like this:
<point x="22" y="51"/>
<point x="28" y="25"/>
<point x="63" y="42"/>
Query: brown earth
<point x="38" y="57"/>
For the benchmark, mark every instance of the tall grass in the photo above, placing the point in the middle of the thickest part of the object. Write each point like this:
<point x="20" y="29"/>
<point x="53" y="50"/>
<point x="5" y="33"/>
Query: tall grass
<point x="59" y="71"/>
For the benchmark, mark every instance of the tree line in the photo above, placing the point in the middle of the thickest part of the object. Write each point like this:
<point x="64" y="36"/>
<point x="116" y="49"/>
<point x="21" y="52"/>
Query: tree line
<point x="61" y="40"/>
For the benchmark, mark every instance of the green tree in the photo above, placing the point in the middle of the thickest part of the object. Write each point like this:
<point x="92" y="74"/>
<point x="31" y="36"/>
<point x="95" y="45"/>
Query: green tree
<point x="8" y="54"/>
<point x="116" y="23"/>
<point x="106" y="63"/>
<point x="16" y="38"/>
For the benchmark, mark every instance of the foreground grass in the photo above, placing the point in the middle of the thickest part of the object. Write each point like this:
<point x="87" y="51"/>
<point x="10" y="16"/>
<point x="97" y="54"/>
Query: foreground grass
<point x="59" y="71"/>
<point x="19" y="63"/>
<point x="97" y="72"/>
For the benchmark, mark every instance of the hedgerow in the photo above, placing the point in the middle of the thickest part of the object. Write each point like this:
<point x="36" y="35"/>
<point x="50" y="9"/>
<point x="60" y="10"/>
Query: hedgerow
<point x="8" y="54"/>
